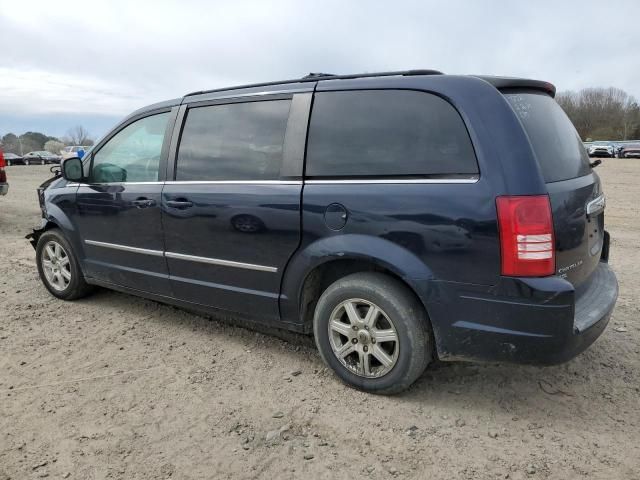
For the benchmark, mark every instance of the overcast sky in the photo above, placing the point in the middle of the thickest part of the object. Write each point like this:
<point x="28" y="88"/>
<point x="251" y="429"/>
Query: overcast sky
<point x="68" y="62"/>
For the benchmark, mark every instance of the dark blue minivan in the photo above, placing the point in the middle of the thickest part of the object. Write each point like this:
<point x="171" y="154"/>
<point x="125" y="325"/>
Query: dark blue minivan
<point x="399" y="217"/>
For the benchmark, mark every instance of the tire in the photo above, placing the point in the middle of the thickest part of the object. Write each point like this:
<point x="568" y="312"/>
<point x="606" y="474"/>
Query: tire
<point x="8" y="163"/>
<point x="400" y="315"/>
<point x="59" y="285"/>
<point x="42" y="162"/>
<point x="27" y="162"/>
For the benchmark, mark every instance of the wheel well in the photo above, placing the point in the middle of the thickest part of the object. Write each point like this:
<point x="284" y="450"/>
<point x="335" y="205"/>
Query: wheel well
<point x="324" y="275"/>
<point x="35" y="236"/>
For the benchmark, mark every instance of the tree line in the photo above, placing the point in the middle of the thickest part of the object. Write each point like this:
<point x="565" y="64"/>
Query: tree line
<point x="35" y="141"/>
<point x="602" y="113"/>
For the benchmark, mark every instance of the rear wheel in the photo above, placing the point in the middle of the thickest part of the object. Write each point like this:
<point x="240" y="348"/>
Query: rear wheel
<point x="58" y="267"/>
<point x="373" y="332"/>
<point x="42" y="162"/>
<point x="8" y="163"/>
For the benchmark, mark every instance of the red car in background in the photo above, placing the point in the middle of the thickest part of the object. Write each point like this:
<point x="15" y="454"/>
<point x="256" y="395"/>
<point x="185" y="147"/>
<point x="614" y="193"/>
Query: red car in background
<point x="4" y="185"/>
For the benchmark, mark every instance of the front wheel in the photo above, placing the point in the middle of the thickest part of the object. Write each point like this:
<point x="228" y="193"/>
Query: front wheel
<point x="27" y="162"/>
<point x="373" y="332"/>
<point x="58" y="267"/>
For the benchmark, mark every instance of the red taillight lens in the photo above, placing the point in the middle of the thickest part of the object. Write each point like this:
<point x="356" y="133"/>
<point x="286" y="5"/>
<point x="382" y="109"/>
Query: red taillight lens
<point x="526" y="236"/>
<point x="2" y="164"/>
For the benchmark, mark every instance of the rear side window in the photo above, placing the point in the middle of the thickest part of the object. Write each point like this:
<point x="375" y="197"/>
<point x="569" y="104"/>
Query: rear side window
<point x="555" y="141"/>
<point x="389" y="133"/>
<point x="237" y="141"/>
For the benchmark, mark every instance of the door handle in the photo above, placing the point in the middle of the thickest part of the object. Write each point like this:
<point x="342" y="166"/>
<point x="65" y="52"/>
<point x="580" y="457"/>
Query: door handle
<point x="179" y="204"/>
<point x="143" y="202"/>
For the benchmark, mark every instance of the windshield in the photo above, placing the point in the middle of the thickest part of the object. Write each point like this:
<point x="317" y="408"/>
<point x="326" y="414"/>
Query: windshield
<point x="556" y="144"/>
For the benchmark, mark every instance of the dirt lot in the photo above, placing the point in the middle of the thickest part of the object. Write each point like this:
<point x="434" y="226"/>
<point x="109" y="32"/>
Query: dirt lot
<point x="115" y="386"/>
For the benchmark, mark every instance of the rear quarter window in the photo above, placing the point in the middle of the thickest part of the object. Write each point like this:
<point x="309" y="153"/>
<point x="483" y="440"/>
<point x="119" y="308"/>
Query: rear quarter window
<point x="387" y="133"/>
<point x="560" y="152"/>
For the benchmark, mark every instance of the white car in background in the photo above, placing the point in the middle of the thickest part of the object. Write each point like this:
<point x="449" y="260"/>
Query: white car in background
<point x="72" y="151"/>
<point x="601" y="149"/>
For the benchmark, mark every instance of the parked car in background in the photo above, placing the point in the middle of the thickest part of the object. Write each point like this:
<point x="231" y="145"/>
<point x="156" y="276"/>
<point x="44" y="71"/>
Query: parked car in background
<point x="617" y="148"/>
<point x="601" y="149"/>
<point x="630" y="150"/>
<point x="41" y="157"/>
<point x="4" y="184"/>
<point x="13" y="159"/>
<point x="382" y="212"/>
<point x="72" y="151"/>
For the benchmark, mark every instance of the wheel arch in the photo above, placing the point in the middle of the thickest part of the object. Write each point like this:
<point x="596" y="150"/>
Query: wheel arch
<point x="323" y="262"/>
<point x="55" y="218"/>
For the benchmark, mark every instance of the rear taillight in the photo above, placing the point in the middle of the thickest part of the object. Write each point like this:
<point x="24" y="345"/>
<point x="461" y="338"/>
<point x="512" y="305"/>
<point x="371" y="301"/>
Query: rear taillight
<point x="526" y="236"/>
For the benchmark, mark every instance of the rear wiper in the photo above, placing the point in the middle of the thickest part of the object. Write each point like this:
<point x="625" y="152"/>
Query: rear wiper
<point x="595" y="163"/>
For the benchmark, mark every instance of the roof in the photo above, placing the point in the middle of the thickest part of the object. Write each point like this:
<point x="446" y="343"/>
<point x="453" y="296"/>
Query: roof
<point x="497" y="81"/>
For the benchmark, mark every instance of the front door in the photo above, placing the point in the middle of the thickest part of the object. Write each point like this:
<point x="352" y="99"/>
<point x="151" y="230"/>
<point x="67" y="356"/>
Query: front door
<point x="232" y="215"/>
<point x="118" y="209"/>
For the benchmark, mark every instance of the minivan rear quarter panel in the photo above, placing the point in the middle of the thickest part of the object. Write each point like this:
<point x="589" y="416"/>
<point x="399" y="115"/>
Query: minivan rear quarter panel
<point x="411" y="216"/>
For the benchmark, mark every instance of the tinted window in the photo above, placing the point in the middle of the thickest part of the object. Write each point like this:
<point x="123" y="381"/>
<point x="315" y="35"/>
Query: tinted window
<point x="386" y="133"/>
<point x="238" y="141"/>
<point x="560" y="152"/>
<point x="133" y="154"/>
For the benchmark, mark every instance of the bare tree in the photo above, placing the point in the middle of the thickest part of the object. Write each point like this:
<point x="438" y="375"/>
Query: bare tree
<point x="602" y="113"/>
<point x="78" y="135"/>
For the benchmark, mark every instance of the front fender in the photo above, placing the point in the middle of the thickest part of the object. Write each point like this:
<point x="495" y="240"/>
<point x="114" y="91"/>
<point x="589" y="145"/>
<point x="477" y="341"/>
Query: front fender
<point x="379" y="251"/>
<point x="55" y="200"/>
<point x="56" y="220"/>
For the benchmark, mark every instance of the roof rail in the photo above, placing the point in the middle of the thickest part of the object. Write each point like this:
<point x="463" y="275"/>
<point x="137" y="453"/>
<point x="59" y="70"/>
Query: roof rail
<point x="314" y="77"/>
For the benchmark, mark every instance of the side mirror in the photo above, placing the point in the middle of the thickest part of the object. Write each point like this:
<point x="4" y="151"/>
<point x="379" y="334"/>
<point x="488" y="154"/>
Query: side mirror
<point x="72" y="169"/>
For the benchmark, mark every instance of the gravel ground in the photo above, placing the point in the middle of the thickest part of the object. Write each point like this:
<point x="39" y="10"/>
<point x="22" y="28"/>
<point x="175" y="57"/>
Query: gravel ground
<point x="115" y="386"/>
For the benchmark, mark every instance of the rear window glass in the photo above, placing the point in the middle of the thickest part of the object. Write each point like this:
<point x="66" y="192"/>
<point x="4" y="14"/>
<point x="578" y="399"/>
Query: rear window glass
<point x="555" y="141"/>
<point x="388" y="133"/>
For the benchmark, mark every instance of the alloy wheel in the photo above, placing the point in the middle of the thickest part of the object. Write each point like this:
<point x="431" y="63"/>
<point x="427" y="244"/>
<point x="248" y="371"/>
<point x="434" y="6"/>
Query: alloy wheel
<point x="56" y="266"/>
<point x="363" y="338"/>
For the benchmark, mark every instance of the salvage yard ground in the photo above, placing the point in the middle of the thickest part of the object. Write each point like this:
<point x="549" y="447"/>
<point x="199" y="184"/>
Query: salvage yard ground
<point x="119" y="387"/>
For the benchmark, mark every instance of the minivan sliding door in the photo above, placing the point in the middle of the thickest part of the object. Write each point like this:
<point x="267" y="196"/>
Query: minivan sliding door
<point x="232" y="215"/>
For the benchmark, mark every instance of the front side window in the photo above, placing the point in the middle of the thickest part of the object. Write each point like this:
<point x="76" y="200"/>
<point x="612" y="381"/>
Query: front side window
<point x="133" y="154"/>
<point x="237" y="141"/>
<point x="390" y="133"/>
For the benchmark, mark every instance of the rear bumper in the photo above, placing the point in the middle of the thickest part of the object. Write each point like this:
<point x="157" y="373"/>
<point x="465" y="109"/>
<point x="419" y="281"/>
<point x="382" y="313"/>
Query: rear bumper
<point x="532" y="321"/>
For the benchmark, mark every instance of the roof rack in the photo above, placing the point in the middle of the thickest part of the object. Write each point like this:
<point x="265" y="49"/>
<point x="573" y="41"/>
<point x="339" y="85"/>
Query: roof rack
<point x="314" y="77"/>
